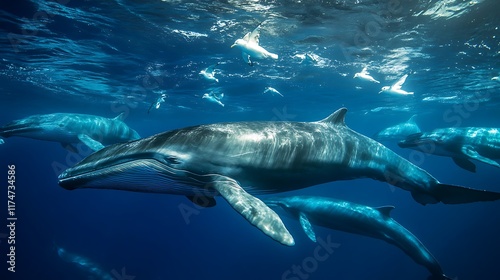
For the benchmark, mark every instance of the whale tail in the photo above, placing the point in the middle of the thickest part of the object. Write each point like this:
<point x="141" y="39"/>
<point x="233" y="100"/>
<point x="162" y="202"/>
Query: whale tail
<point x="452" y="194"/>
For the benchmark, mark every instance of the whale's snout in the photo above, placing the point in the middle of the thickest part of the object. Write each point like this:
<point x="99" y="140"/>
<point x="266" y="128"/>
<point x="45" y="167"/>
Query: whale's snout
<point x="71" y="179"/>
<point x="67" y="185"/>
<point x="19" y="128"/>
<point x="66" y="181"/>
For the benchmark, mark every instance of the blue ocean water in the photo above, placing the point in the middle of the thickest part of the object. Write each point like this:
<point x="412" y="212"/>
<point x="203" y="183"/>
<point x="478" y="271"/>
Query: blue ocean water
<point x="112" y="57"/>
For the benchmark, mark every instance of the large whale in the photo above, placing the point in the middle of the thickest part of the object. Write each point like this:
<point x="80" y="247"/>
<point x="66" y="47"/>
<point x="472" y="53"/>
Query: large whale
<point x="460" y="143"/>
<point x="241" y="159"/>
<point x="93" y="131"/>
<point x="355" y="218"/>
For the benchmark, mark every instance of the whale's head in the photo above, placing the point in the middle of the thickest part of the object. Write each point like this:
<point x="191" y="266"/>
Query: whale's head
<point x="388" y="134"/>
<point x="420" y="141"/>
<point x="34" y="126"/>
<point x="275" y="202"/>
<point x="145" y="165"/>
<point x="288" y="204"/>
<point x="397" y="132"/>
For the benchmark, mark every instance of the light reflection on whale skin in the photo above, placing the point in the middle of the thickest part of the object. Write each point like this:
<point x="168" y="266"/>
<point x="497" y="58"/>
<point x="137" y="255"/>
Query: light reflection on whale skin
<point x="94" y="131"/>
<point x="241" y="159"/>
<point x="399" y="131"/>
<point x="375" y="222"/>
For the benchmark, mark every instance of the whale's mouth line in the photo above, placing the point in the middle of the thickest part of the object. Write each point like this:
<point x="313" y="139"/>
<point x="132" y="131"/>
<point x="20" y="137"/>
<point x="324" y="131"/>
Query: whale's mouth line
<point x="416" y="143"/>
<point x="416" y="140"/>
<point x="118" y="161"/>
<point x="139" y="171"/>
<point x="66" y="178"/>
<point x="11" y="129"/>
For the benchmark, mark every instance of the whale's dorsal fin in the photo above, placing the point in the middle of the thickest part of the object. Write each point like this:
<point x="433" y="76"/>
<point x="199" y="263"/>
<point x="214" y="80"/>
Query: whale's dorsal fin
<point x="307" y="227"/>
<point x="412" y="119"/>
<point x="385" y="210"/>
<point x="337" y="117"/>
<point x="120" y="117"/>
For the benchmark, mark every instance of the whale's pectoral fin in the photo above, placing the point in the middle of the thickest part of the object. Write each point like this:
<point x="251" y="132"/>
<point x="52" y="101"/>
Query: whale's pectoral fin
<point x="465" y="164"/>
<point x="424" y="198"/>
<point x="202" y="200"/>
<point x="470" y="152"/>
<point x="307" y="227"/>
<point x="254" y="210"/>
<point x="91" y="143"/>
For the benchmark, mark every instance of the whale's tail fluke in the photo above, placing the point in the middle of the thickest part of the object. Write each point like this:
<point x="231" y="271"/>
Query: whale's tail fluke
<point x="452" y="194"/>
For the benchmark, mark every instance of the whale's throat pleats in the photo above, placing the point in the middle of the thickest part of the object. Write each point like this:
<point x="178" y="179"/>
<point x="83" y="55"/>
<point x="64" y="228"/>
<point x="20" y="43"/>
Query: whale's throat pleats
<point x="146" y="175"/>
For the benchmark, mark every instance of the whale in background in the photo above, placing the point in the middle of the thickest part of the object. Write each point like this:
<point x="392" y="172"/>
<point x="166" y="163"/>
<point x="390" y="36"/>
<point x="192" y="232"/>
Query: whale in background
<point x="462" y="144"/>
<point x="84" y="263"/>
<point x="241" y="159"/>
<point x="94" y="131"/>
<point x="399" y="131"/>
<point x="374" y="222"/>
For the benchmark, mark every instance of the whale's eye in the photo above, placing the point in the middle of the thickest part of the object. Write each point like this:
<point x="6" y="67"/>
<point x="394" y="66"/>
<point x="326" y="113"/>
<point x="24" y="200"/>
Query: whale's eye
<point x="172" y="160"/>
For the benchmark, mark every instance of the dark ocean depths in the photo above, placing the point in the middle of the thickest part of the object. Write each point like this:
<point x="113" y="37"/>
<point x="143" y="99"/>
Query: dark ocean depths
<point x="109" y="57"/>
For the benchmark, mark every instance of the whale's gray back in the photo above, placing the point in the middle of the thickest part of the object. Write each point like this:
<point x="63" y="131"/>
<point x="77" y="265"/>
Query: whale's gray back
<point x="275" y="156"/>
